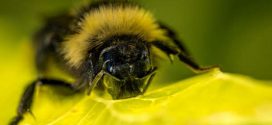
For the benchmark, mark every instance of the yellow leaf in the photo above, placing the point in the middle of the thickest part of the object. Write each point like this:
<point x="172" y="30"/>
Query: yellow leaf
<point x="211" y="98"/>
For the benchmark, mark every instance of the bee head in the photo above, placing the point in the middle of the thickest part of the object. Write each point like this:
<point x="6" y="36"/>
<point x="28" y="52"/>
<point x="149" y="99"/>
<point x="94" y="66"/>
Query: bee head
<point x="128" y="68"/>
<point x="127" y="60"/>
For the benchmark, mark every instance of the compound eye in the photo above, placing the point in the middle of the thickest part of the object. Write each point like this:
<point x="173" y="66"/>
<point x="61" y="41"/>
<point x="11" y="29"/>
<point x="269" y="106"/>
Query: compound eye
<point x="112" y="69"/>
<point x="109" y="67"/>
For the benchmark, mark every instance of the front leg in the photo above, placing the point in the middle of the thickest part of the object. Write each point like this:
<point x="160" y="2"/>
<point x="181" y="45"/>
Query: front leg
<point x="183" y="57"/>
<point x="27" y="97"/>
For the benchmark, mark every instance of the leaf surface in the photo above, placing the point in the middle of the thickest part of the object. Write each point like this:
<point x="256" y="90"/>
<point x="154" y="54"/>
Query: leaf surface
<point x="210" y="98"/>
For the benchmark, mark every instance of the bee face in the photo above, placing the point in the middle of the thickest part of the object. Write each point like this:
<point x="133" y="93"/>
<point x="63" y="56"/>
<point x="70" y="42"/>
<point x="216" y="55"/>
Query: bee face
<point x="127" y="60"/>
<point x="128" y="68"/>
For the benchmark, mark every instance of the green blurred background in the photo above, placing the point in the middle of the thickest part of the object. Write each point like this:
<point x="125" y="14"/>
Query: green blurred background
<point x="235" y="34"/>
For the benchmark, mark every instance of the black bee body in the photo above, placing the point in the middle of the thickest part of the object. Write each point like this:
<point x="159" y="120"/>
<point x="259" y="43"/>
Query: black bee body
<point x="109" y="45"/>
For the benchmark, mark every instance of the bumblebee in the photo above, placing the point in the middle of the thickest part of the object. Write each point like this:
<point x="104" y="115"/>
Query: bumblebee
<point x="111" y="45"/>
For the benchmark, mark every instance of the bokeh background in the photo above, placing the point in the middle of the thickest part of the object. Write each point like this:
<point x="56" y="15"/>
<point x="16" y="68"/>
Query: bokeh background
<point x="235" y="34"/>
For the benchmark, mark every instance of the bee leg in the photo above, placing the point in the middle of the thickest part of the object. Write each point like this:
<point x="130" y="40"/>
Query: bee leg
<point x="181" y="51"/>
<point x="148" y="83"/>
<point x="27" y="97"/>
<point x="185" y="58"/>
<point x="193" y="65"/>
<point x="95" y="81"/>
